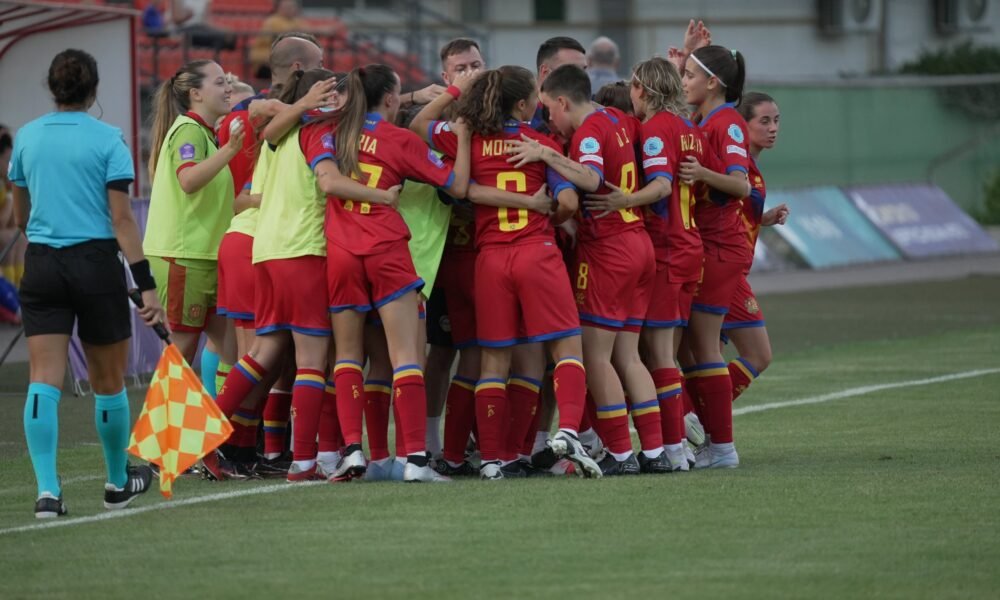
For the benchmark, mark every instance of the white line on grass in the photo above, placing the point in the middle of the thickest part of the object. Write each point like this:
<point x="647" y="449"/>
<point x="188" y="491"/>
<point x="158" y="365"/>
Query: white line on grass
<point x="268" y="489"/>
<point x="861" y="391"/>
<point x="107" y="516"/>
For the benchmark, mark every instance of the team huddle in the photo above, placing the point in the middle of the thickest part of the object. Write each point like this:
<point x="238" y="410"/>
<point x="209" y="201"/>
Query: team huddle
<point x="581" y="262"/>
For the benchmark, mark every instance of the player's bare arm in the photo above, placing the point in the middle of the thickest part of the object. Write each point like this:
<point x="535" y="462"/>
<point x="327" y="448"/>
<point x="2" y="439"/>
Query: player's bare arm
<point x="320" y="95"/>
<point x="484" y="195"/>
<point x="529" y="151"/>
<point x="199" y="175"/>
<point x="616" y="200"/>
<point x="334" y="183"/>
<point x="734" y="184"/>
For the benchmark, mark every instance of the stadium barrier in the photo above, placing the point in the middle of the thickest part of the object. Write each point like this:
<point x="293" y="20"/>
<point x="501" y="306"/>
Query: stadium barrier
<point x="921" y="220"/>
<point x="826" y="230"/>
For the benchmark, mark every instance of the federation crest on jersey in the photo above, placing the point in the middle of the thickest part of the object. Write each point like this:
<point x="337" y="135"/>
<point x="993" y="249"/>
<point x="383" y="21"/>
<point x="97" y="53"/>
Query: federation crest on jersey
<point x="327" y="141"/>
<point x="589" y="145"/>
<point x="736" y="133"/>
<point x="187" y="151"/>
<point x="653" y="146"/>
<point x="437" y="162"/>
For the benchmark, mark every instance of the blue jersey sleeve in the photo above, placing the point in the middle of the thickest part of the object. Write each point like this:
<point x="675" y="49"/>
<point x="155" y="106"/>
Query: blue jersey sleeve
<point x="15" y="170"/>
<point x="119" y="161"/>
<point x="556" y="182"/>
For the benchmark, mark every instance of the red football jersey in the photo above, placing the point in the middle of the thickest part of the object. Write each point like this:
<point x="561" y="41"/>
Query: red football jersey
<point x="605" y="142"/>
<point x="667" y="140"/>
<point x="242" y="164"/>
<point x="718" y="215"/>
<point x="387" y="156"/>
<point x="489" y="167"/>
<point x="752" y="208"/>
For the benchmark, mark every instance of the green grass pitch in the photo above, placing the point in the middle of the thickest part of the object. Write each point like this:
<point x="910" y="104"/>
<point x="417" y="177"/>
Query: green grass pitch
<point x="890" y="494"/>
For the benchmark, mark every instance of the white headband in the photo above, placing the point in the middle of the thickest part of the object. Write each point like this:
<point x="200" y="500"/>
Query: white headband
<point x="707" y="70"/>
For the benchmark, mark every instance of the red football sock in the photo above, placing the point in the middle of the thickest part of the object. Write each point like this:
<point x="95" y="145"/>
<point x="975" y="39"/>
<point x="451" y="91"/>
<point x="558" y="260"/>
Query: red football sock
<point x="742" y="374"/>
<point x="460" y="412"/>
<point x="377" y="401"/>
<point x="276" y="414"/>
<point x="307" y="404"/>
<point x="669" y="391"/>
<point x="646" y="418"/>
<point x="245" y="422"/>
<point x="350" y="400"/>
<point x="522" y="404"/>
<point x="245" y="374"/>
<point x="716" y="391"/>
<point x="330" y="439"/>
<point x="491" y="417"/>
<point x="400" y="442"/>
<point x="613" y="428"/>
<point x="411" y="398"/>
<point x="569" y="381"/>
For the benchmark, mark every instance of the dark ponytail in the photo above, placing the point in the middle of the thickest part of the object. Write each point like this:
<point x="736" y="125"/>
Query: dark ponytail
<point x="492" y="98"/>
<point x="728" y="66"/>
<point x="366" y="87"/>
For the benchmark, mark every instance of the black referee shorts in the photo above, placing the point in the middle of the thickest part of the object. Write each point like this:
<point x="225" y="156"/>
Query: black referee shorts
<point x="83" y="283"/>
<point x="438" y="326"/>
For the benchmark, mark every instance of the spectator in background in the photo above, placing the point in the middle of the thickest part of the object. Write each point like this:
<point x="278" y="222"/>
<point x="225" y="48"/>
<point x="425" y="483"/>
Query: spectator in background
<point x="602" y="62"/>
<point x="191" y="18"/>
<point x="285" y="17"/>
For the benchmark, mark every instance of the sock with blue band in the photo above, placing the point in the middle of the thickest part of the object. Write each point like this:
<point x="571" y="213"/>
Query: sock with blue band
<point x="41" y="429"/>
<point x="111" y="414"/>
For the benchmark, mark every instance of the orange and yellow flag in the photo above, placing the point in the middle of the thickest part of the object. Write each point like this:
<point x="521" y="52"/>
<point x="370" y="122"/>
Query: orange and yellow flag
<point x="180" y="423"/>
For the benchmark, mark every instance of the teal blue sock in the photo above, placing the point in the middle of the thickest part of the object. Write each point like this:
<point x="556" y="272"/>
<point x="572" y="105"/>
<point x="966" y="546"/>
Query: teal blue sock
<point x="41" y="429"/>
<point x="209" y="365"/>
<point x="113" y="426"/>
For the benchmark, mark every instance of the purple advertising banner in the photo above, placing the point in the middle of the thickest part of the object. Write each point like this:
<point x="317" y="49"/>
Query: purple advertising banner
<point x="921" y="220"/>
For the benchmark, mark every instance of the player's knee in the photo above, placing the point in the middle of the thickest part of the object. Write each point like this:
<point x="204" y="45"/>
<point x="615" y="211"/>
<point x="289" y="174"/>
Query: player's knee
<point x="760" y="358"/>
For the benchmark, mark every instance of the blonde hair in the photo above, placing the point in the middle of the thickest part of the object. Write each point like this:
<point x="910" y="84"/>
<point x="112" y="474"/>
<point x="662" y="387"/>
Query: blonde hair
<point x="172" y="99"/>
<point x="239" y="86"/>
<point x="662" y="84"/>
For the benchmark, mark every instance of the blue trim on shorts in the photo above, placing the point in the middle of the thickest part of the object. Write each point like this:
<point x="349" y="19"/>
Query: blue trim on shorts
<point x="664" y="324"/>
<point x="555" y="335"/>
<point x="222" y="312"/>
<point x="287" y="327"/>
<point x="361" y="308"/>
<point x="498" y="343"/>
<point x="708" y="308"/>
<point x="634" y="322"/>
<point x="416" y="285"/>
<point x="239" y="315"/>
<point x="469" y="344"/>
<point x="742" y="324"/>
<point x="602" y="320"/>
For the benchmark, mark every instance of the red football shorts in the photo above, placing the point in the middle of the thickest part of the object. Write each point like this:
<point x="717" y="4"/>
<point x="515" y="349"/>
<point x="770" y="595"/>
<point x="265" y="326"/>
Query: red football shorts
<point x="670" y="305"/>
<point x="614" y="280"/>
<point x="744" y="311"/>
<point x="457" y="277"/>
<point x="363" y="283"/>
<point x="523" y="295"/>
<point x="719" y="280"/>
<point x="236" y="279"/>
<point x="289" y="295"/>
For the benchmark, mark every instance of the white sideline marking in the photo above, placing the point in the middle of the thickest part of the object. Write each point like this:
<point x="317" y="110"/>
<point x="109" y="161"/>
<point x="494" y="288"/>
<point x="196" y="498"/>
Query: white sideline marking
<point x="861" y="391"/>
<point x="129" y="512"/>
<point x="268" y="489"/>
